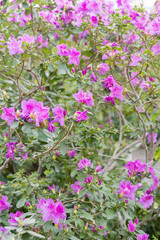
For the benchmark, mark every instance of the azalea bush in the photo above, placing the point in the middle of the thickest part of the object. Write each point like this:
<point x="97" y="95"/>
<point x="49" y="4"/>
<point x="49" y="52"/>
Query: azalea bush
<point x="79" y="90"/>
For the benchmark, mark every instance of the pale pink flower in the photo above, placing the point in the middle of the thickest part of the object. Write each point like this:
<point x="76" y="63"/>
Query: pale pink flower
<point x="103" y="68"/>
<point x="146" y="200"/>
<point x="84" y="163"/>
<point x="9" y="115"/>
<point x="62" y="50"/>
<point x="15" y="46"/>
<point x="127" y="190"/>
<point x="77" y="188"/>
<point x="154" y="137"/>
<point x="80" y="116"/>
<point x="144" y="236"/>
<point x="4" y="204"/>
<point x="59" y="114"/>
<point x="74" y="56"/>
<point x="13" y="216"/>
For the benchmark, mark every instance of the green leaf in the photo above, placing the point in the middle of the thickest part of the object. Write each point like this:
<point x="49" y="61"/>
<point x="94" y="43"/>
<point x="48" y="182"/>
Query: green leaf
<point x="74" y="238"/>
<point x="111" y="213"/>
<point x="21" y="203"/>
<point x="27" y="128"/>
<point x="63" y="148"/>
<point x="50" y="68"/>
<point x="62" y="68"/>
<point x="35" y="234"/>
<point x="14" y="124"/>
<point x="73" y="172"/>
<point x="86" y="215"/>
<point x="47" y="226"/>
<point x="83" y="192"/>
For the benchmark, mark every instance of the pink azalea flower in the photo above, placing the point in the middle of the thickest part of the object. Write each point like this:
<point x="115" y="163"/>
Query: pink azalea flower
<point x="146" y="200"/>
<point x="103" y="68"/>
<point x="84" y="163"/>
<point x="13" y="17"/>
<point x="89" y="179"/>
<point x="72" y="153"/>
<point x="86" y="98"/>
<point x="131" y="226"/>
<point x="135" y="80"/>
<point x="80" y="116"/>
<point x="93" y="78"/>
<point x="156" y="48"/>
<point x="94" y="20"/>
<point x="127" y="190"/>
<point x="24" y="19"/>
<point x="9" y="115"/>
<point x="2" y="230"/>
<point x="4" y="204"/>
<point x="43" y="42"/>
<point x="13" y="220"/>
<point x="151" y="79"/>
<point x="15" y="46"/>
<point x="155" y="184"/>
<point x="59" y="114"/>
<point x="144" y="236"/>
<point x="98" y="168"/>
<point x="154" y="137"/>
<point x="52" y="188"/>
<point x="62" y="50"/>
<point x="51" y="211"/>
<point x="110" y="99"/>
<point x="77" y="188"/>
<point x="135" y="167"/>
<point x="117" y="92"/>
<point x="135" y="60"/>
<point x="109" y="83"/>
<point x="28" y="39"/>
<point x="74" y="56"/>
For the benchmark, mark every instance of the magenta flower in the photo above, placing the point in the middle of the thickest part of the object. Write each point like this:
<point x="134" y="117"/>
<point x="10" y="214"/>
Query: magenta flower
<point x="52" y="188"/>
<point x="93" y="78"/>
<point x="24" y="19"/>
<point x="4" y="204"/>
<point x="51" y="127"/>
<point x="117" y="92"/>
<point x="86" y="98"/>
<point x="103" y="68"/>
<point x="80" y="96"/>
<point x="62" y="50"/>
<point x="28" y="39"/>
<point x="77" y="188"/>
<point x="89" y="179"/>
<point x="9" y="115"/>
<point x="27" y="203"/>
<point x="2" y="230"/>
<point x="84" y="163"/>
<point x="135" y="167"/>
<point x="135" y="60"/>
<point x="109" y="83"/>
<point x="72" y="153"/>
<point x="131" y="226"/>
<point x="98" y="168"/>
<point x="15" y="46"/>
<point x="80" y="116"/>
<point x="51" y="211"/>
<point x="94" y="20"/>
<point x="145" y="236"/>
<point x="127" y="190"/>
<point x="154" y="137"/>
<point x="13" y="216"/>
<point x="43" y="42"/>
<point x="74" y="56"/>
<point x="59" y="114"/>
<point x="110" y="99"/>
<point x="146" y="200"/>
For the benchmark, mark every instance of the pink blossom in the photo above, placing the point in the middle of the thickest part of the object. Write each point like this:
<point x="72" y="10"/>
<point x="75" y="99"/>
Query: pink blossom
<point x="74" y="56"/>
<point x="103" y="68"/>
<point x="136" y="221"/>
<point x="88" y="179"/>
<point x="135" y="80"/>
<point x="131" y="226"/>
<point x="9" y="115"/>
<point x="127" y="190"/>
<point x="84" y="163"/>
<point x="93" y="78"/>
<point x="86" y="98"/>
<point x="110" y="99"/>
<point x="4" y="204"/>
<point x="154" y="27"/>
<point x="117" y="92"/>
<point x="77" y="188"/>
<point x="43" y="42"/>
<point x="146" y="200"/>
<point x="62" y="50"/>
<point x="13" y="17"/>
<point x="94" y="20"/>
<point x="24" y="19"/>
<point x="28" y="39"/>
<point x="59" y="114"/>
<point x="154" y="137"/>
<point x="145" y="85"/>
<point x="144" y="236"/>
<point x="98" y="168"/>
<point x="27" y="203"/>
<point x="108" y="83"/>
<point x="155" y="184"/>
<point x="135" y="59"/>
<point x="51" y="127"/>
<point x="2" y="230"/>
<point x="135" y="167"/>
<point x="15" y="46"/>
<point x="80" y="116"/>
<point x="72" y="153"/>
<point x="51" y="211"/>
<point x="13" y="216"/>
<point x="156" y="48"/>
<point x="52" y="188"/>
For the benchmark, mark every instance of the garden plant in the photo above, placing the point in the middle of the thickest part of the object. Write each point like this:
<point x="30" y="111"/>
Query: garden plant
<point x="79" y="90"/>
